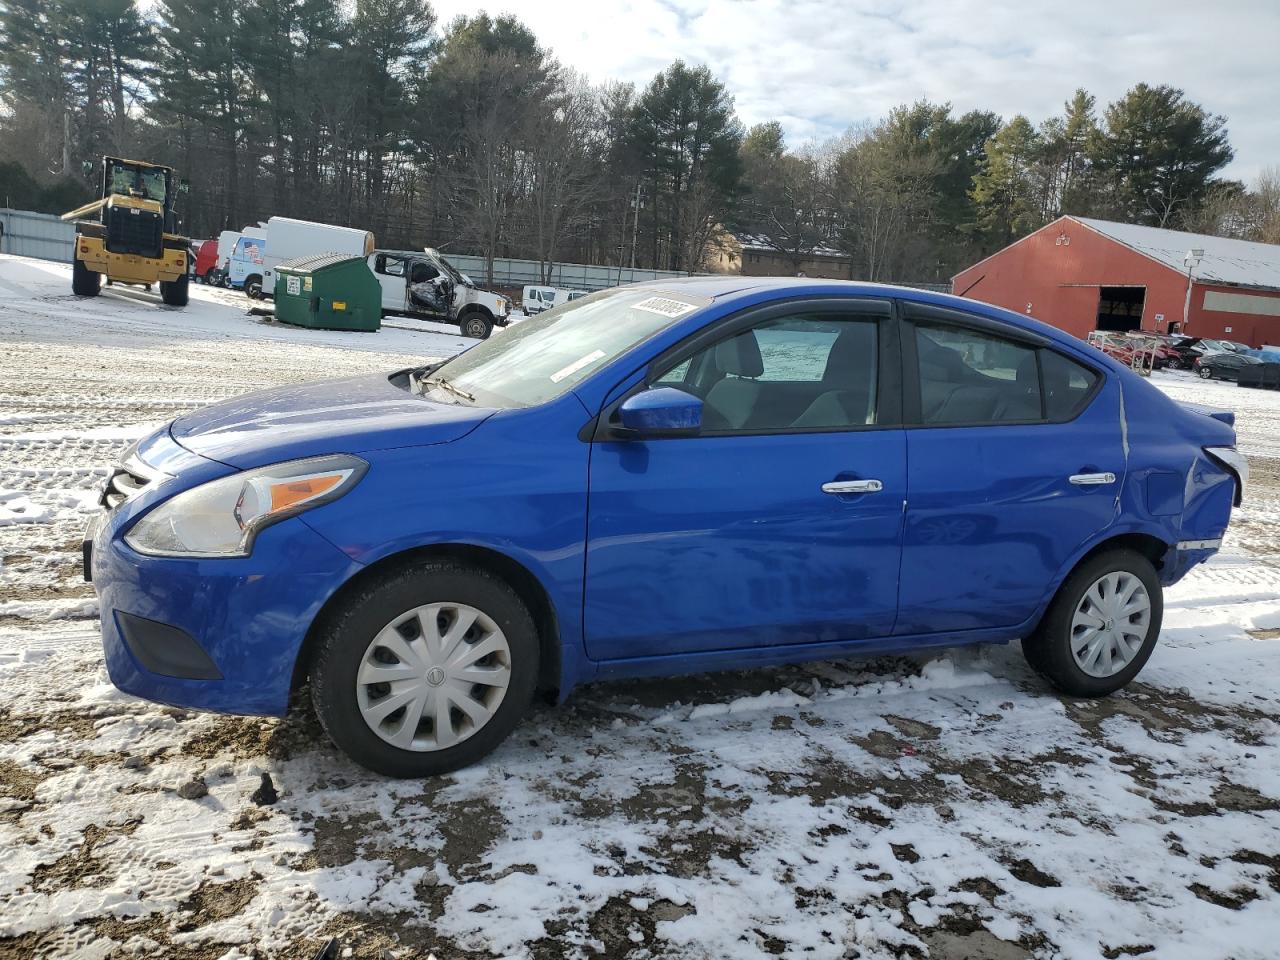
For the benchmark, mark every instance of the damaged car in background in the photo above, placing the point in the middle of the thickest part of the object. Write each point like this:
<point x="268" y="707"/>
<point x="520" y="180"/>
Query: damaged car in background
<point x="424" y="284"/>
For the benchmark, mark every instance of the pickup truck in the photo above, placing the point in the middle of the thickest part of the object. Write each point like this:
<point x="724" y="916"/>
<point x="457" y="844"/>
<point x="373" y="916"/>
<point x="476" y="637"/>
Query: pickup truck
<point x="422" y="283"/>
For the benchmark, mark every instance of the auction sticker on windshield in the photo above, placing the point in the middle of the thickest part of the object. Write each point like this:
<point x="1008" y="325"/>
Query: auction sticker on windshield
<point x="665" y="306"/>
<point x="577" y="365"/>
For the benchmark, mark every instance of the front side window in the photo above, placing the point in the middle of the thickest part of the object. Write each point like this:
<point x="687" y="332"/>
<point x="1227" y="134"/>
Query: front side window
<point x="801" y="372"/>
<point x="543" y="357"/>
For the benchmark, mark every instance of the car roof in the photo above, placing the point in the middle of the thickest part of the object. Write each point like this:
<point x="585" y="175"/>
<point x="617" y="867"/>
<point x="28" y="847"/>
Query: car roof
<point x="759" y="288"/>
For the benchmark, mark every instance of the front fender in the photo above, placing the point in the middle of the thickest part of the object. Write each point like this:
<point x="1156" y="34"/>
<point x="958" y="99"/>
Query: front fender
<point x="516" y="486"/>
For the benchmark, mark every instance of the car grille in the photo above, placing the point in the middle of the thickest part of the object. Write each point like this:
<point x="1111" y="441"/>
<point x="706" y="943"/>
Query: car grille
<point x="127" y="480"/>
<point x="130" y="230"/>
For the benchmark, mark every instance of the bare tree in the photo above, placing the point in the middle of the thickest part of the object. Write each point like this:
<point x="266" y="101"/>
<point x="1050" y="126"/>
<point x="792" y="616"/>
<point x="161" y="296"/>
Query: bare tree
<point x="885" y="190"/>
<point x="566" y="141"/>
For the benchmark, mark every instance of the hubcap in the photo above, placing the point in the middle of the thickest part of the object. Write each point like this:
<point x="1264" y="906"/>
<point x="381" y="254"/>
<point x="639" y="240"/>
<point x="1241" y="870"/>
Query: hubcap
<point x="433" y="676"/>
<point x="1110" y="624"/>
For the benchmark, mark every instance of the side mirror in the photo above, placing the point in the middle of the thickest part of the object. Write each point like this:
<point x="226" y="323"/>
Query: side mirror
<point x="662" y="412"/>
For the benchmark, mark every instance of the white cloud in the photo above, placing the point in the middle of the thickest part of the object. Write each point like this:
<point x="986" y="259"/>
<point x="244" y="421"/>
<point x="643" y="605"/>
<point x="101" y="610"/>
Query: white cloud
<point x="820" y="66"/>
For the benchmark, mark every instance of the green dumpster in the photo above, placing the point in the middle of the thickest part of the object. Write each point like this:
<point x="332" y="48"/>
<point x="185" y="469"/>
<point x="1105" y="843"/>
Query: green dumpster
<point x="331" y="291"/>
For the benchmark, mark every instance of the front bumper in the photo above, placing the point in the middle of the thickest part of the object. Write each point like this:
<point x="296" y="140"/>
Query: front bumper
<point x="246" y="617"/>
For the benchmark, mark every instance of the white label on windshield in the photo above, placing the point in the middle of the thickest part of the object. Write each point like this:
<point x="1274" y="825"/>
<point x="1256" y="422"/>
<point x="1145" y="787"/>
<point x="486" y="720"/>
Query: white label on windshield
<point x="577" y="365"/>
<point x="665" y="306"/>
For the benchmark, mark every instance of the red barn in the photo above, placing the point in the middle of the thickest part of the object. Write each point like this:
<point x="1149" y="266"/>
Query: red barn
<point x="1081" y="274"/>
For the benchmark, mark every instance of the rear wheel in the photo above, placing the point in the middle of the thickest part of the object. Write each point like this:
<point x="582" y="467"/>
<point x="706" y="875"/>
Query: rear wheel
<point x="475" y="324"/>
<point x="425" y="670"/>
<point x="1101" y="627"/>
<point x="175" y="292"/>
<point x="84" y="282"/>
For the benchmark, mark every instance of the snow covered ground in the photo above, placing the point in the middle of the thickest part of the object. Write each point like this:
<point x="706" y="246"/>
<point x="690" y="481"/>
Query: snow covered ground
<point x="947" y="806"/>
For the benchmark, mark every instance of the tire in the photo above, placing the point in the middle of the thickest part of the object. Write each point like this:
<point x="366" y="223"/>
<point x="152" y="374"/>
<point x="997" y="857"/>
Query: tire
<point x="84" y="282"/>
<point x="253" y="287"/>
<point x="476" y="325"/>
<point x="1049" y="648"/>
<point x="1205" y="373"/>
<point x="175" y="292"/>
<point x="349" y="642"/>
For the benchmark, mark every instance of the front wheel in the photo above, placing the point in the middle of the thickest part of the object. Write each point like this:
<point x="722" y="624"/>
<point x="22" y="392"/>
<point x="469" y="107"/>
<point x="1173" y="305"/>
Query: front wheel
<point x="84" y="282"/>
<point x="253" y="288"/>
<point x="1101" y="627"/>
<point x="1205" y="373"/>
<point x="425" y="670"/>
<point x="476" y="325"/>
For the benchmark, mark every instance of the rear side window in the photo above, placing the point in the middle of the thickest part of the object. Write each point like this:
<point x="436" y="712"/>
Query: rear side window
<point x="967" y="376"/>
<point x="1067" y="385"/>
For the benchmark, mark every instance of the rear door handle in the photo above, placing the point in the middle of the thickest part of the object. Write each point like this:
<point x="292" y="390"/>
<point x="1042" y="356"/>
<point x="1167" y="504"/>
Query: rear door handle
<point x="1092" y="479"/>
<point x="852" y="486"/>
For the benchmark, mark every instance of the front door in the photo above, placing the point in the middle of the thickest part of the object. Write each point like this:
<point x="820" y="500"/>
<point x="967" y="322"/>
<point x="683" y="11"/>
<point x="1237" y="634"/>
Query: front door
<point x="781" y="522"/>
<point x="1016" y="462"/>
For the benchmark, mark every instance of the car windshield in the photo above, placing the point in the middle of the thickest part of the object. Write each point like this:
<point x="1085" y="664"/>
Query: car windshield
<point x="541" y="358"/>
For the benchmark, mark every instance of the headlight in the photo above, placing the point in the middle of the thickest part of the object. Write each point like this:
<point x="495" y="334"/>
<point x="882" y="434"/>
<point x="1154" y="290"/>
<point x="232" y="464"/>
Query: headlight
<point x="221" y="518"/>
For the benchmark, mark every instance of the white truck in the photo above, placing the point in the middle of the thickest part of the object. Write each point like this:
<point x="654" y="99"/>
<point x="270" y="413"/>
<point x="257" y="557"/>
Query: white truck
<point x="537" y="298"/>
<point x="287" y="239"/>
<point x="228" y="240"/>
<point x="422" y="283"/>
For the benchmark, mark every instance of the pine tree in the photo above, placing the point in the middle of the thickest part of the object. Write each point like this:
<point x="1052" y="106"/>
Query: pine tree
<point x="1157" y="154"/>
<point x="688" y="139"/>
<point x="1006" y="194"/>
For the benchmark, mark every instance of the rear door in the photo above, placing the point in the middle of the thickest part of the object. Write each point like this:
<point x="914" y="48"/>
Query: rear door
<point x="1016" y="459"/>
<point x="390" y="271"/>
<point x="758" y="532"/>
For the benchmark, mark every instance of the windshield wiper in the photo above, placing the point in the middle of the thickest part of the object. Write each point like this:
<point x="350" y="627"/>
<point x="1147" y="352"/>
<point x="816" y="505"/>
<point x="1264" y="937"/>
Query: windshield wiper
<point x="445" y="385"/>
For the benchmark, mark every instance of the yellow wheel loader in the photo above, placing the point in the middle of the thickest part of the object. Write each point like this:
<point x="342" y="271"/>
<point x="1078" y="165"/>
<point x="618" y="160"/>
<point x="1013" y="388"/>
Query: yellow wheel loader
<point x="125" y="235"/>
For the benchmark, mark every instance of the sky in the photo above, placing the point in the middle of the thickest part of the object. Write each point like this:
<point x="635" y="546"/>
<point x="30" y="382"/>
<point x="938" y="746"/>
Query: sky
<point x="820" y="67"/>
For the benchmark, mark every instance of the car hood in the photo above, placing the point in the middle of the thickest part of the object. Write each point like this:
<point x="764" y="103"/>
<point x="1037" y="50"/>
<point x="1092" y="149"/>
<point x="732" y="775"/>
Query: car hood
<point x="327" y="416"/>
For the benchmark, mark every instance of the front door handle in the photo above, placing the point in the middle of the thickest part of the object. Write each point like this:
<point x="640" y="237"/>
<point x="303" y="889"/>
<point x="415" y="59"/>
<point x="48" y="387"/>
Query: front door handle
<point x="852" y="486"/>
<point x="1092" y="479"/>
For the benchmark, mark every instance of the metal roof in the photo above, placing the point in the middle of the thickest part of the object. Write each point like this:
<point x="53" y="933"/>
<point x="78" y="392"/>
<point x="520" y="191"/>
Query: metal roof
<point x="1241" y="263"/>
<point x="313" y="262"/>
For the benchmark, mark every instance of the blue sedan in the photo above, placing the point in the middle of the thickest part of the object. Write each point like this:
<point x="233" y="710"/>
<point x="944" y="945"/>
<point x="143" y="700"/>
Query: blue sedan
<point x="662" y="478"/>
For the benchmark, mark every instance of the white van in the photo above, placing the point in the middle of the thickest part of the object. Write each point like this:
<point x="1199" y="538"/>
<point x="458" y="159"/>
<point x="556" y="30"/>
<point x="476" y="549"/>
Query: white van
<point x="538" y="299"/>
<point x="244" y="269"/>
<point x="288" y="239"/>
<point x="422" y="283"/>
<point x="227" y="242"/>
